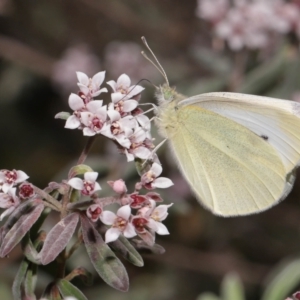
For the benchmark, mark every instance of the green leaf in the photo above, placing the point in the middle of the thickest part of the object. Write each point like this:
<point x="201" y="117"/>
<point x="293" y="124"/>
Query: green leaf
<point x="30" y="281"/>
<point x="29" y="250"/>
<point x="17" y="284"/>
<point x="62" y="115"/>
<point x="79" y="170"/>
<point x="125" y="248"/>
<point x="232" y="288"/>
<point x="66" y="288"/>
<point x="282" y="280"/>
<point x="208" y="296"/>
<point x="107" y="265"/>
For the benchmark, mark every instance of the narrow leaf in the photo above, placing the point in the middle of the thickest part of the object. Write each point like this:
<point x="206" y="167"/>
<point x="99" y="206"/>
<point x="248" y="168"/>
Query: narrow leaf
<point x="208" y="296"/>
<point x="125" y="248"/>
<point x="232" y="288"/>
<point x="30" y="281"/>
<point x="155" y="249"/>
<point x="29" y="250"/>
<point x="22" y="209"/>
<point x="108" y="266"/>
<point x="16" y="287"/>
<point x="58" y="238"/>
<point x="21" y="226"/>
<point x="283" y="280"/>
<point x="66" y="288"/>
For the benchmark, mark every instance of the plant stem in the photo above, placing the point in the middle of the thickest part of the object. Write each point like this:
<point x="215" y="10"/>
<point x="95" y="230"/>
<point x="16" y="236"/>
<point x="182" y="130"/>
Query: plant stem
<point x="49" y="198"/>
<point x="86" y="150"/>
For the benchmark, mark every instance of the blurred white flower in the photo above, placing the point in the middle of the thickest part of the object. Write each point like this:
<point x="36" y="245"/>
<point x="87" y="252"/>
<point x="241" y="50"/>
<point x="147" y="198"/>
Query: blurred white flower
<point x="78" y="57"/>
<point x="123" y="57"/>
<point x="251" y="24"/>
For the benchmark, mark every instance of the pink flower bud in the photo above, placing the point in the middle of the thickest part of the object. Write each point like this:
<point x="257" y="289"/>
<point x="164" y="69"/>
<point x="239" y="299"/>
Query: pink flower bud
<point x="118" y="186"/>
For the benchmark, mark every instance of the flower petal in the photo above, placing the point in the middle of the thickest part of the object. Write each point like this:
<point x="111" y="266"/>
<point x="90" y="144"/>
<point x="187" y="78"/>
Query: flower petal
<point x="142" y="152"/>
<point x="112" y="84"/>
<point x="112" y="234"/>
<point x="75" y="102"/>
<point x="129" y="231"/>
<point x="134" y="90"/>
<point x="129" y="105"/>
<point x="72" y="122"/>
<point x="90" y="176"/>
<point x="156" y="169"/>
<point x="76" y="183"/>
<point x="116" y="97"/>
<point x="88" y="131"/>
<point x="98" y="79"/>
<point x="107" y="217"/>
<point x="124" y="212"/>
<point x="162" y="182"/>
<point x="83" y="78"/>
<point x="21" y="176"/>
<point x="93" y="106"/>
<point x="97" y="93"/>
<point x="162" y="229"/>
<point x="123" y="81"/>
<point x="97" y="187"/>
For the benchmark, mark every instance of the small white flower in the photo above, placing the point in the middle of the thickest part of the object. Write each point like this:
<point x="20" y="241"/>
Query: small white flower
<point x="9" y="179"/>
<point x="120" y="128"/>
<point x="155" y="216"/>
<point x="77" y="105"/>
<point x="90" y="87"/>
<point x="120" y="223"/>
<point x="94" y="121"/>
<point x="150" y="179"/>
<point x="139" y="146"/>
<point x="88" y="185"/>
<point x="123" y="87"/>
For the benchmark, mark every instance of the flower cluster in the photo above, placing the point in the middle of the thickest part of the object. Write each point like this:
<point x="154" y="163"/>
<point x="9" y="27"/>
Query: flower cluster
<point x="120" y="120"/>
<point x="145" y="222"/>
<point x="127" y="125"/>
<point x="10" y="197"/>
<point x="250" y="24"/>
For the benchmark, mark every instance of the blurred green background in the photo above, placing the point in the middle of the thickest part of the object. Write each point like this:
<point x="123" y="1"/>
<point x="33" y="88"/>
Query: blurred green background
<point x="43" y="43"/>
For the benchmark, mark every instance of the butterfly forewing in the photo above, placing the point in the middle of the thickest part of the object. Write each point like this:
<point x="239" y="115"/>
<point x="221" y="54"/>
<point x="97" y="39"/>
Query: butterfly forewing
<point x="277" y="121"/>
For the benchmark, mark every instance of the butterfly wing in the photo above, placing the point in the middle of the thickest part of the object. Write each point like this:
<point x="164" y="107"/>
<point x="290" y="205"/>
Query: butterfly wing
<point x="232" y="169"/>
<point x="275" y="120"/>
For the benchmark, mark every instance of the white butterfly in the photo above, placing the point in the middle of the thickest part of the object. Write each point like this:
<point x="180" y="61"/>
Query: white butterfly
<point x="238" y="152"/>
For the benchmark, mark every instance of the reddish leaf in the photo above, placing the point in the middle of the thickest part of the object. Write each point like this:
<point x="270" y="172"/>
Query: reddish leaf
<point x="20" y="227"/>
<point x="22" y="209"/>
<point x="58" y="238"/>
<point x="107" y="265"/>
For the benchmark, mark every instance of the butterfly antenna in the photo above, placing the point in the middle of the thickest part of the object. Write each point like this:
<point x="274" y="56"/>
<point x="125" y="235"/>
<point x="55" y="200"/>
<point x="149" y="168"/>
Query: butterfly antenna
<point x="158" y="66"/>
